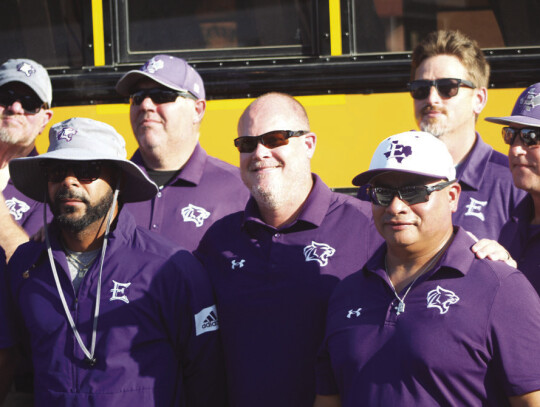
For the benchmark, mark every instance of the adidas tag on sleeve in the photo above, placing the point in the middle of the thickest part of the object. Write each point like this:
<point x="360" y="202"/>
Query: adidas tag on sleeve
<point x="206" y="320"/>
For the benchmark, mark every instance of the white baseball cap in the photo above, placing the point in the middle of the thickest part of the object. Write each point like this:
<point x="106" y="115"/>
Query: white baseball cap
<point x="414" y="152"/>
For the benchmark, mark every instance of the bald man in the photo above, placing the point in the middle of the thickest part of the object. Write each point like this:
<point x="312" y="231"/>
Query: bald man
<point x="275" y="264"/>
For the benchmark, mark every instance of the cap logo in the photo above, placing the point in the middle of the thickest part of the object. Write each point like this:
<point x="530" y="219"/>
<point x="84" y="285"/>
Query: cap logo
<point x="530" y="101"/>
<point x="66" y="133"/>
<point x="398" y="151"/>
<point x="153" y="65"/>
<point x="26" y="68"/>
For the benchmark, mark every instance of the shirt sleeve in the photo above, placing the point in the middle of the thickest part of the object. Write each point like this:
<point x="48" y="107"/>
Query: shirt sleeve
<point x="7" y="337"/>
<point x="325" y="382"/>
<point x="514" y="333"/>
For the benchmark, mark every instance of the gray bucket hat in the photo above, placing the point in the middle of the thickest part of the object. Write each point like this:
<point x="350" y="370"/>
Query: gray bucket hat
<point x="29" y="73"/>
<point x="80" y="139"/>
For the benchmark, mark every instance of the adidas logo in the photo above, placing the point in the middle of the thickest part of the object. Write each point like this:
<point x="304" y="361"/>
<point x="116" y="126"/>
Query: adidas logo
<point x="206" y="320"/>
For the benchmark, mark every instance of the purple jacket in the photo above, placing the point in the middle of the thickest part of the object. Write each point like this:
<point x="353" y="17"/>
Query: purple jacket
<point x="205" y="190"/>
<point x="157" y="334"/>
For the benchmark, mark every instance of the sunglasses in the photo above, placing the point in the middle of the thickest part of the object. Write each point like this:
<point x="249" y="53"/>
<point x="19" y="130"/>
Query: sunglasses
<point x="85" y="171"/>
<point x="446" y="87"/>
<point x="158" y="96"/>
<point x="529" y="137"/>
<point x="30" y="104"/>
<point x="272" y="139"/>
<point x="409" y="194"/>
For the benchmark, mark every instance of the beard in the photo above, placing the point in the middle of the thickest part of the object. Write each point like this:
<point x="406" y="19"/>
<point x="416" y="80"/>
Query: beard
<point x="436" y="126"/>
<point x="92" y="214"/>
<point x="7" y="136"/>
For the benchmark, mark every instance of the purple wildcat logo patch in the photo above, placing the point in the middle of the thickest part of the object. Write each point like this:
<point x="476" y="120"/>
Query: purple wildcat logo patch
<point x="26" y="68"/>
<point x="67" y="134"/>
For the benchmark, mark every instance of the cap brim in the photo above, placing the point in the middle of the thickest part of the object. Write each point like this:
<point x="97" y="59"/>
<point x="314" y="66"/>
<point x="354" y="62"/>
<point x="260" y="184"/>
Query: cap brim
<point x="364" y="177"/>
<point x="523" y="120"/>
<point x="28" y="177"/>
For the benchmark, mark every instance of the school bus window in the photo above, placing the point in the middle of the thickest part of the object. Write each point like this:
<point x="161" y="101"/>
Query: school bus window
<point x="217" y="24"/>
<point x="48" y="31"/>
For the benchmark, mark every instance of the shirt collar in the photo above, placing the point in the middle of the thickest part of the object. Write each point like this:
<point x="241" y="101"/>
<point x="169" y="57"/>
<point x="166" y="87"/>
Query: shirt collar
<point x="192" y="171"/>
<point x="313" y="212"/>
<point x="473" y="169"/>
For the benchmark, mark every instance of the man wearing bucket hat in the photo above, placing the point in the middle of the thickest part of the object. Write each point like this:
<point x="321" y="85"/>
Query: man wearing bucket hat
<point x="25" y="100"/>
<point x="167" y="106"/>
<point x="521" y="234"/>
<point x="113" y="314"/>
<point x="425" y="322"/>
<point x="449" y="80"/>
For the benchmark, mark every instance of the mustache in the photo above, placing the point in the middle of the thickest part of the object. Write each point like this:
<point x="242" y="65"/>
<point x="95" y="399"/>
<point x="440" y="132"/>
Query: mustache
<point x="431" y="108"/>
<point x="257" y="165"/>
<point x="67" y="194"/>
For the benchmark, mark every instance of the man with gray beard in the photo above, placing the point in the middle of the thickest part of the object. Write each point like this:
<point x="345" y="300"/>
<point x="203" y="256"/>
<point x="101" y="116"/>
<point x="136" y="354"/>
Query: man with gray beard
<point x="25" y="100"/>
<point x="449" y="80"/>
<point x="274" y="265"/>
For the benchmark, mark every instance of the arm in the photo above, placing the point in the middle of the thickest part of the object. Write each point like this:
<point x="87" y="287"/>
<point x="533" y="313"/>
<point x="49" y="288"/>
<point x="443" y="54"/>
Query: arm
<point x="11" y="234"/>
<point x="327" y="401"/>
<point x="526" y="400"/>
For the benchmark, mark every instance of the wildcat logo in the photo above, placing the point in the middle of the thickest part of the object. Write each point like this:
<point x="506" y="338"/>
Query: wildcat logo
<point x="441" y="299"/>
<point x="319" y="252"/>
<point x="26" y="68"/>
<point x="17" y="208"/>
<point x="531" y="100"/>
<point x="153" y="65"/>
<point x="398" y="151"/>
<point x="195" y="214"/>
<point x="66" y="133"/>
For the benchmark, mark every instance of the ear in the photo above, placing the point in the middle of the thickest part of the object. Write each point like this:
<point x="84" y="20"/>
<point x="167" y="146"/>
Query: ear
<point x="479" y="100"/>
<point x="47" y="116"/>
<point x="310" y="141"/>
<point x="200" y="108"/>
<point x="454" y="191"/>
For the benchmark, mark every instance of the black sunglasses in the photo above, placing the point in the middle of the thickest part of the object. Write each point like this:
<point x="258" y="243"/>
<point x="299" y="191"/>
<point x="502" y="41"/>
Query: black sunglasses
<point x="446" y="87"/>
<point x="272" y="139"/>
<point x="410" y="194"/>
<point x="529" y="137"/>
<point x="31" y="104"/>
<point x="84" y="171"/>
<point x="158" y="96"/>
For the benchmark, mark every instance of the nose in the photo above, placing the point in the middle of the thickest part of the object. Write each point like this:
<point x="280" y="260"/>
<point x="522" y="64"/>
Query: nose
<point x="396" y="205"/>
<point x="433" y="95"/>
<point x="261" y="150"/>
<point x="147" y="103"/>
<point x="70" y="178"/>
<point x="16" y="107"/>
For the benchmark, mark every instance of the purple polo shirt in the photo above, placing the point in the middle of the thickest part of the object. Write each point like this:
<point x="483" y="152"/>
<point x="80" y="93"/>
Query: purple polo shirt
<point x="205" y="190"/>
<point x="157" y="338"/>
<point x="272" y="287"/>
<point x="522" y="239"/>
<point x="488" y="194"/>
<point x="468" y="336"/>
<point x="6" y="335"/>
<point x="26" y="212"/>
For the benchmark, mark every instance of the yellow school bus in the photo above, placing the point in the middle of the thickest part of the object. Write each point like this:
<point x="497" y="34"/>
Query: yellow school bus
<point x="347" y="61"/>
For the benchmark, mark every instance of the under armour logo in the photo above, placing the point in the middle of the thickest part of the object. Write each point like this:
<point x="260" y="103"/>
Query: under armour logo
<point x="398" y="151"/>
<point x="441" y="299"/>
<point x="66" y="133"/>
<point x="195" y="214"/>
<point x="119" y="288"/>
<point x="319" y="252"/>
<point x="355" y="313"/>
<point x="26" y="68"/>
<point x="17" y="208"/>
<point x="474" y="208"/>
<point x="153" y="65"/>
<point x="531" y="100"/>
<point x="238" y="264"/>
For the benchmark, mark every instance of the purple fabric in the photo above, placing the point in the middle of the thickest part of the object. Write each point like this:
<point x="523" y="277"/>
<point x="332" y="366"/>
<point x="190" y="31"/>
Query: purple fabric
<point x="148" y="351"/>
<point x="468" y="336"/>
<point x="488" y="194"/>
<point x="6" y="334"/>
<point x="523" y="241"/>
<point x="26" y="212"/>
<point x="272" y="288"/>
<point x="204" y="191"/>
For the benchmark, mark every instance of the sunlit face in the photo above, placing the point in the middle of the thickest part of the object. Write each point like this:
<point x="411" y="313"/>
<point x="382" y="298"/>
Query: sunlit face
<point x="164" y="127"/>
<point x="18" y="127"/>
<point x="77" y="205"/>
<point x="275" y="175"/>
<point x="525" y="164"/>
<point x="419" y="226"/>
<point x="445" y="117"/>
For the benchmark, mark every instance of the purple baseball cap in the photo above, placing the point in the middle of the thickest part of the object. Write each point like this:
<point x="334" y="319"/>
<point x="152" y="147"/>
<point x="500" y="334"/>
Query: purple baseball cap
<point x="526" y="110"/>
<point x="413" y="152"/>
<point x="172" y="72"/>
